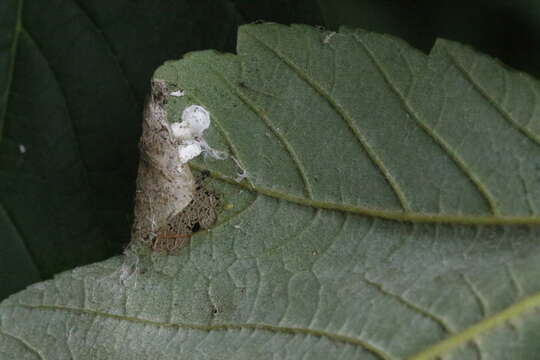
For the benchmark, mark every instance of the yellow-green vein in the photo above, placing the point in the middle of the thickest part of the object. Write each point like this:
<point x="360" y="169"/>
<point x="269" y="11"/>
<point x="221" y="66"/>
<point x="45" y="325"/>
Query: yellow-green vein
<point x="459" y="339"/>
<point x="226" y="137"/>
<point x="381" y="213"/>
<point x="219" y="327"/>
<point x="260" y="113"/>
<point x="24" y="342"/>
<point x="372" y="155"/>
<point x="490" y="199"/>
<point x="483" y="92"/>
<point x="439" y="321"/>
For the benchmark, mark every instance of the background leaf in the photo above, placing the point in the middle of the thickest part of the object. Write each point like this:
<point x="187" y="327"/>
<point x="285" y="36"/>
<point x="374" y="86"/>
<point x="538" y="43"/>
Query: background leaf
<point x="318" y="255"/>
<point x="73" y="79"/>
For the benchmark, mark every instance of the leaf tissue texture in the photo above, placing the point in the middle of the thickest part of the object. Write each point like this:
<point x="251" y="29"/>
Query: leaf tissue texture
<point x="73" y="77"/>
<point x="379" y="203"/>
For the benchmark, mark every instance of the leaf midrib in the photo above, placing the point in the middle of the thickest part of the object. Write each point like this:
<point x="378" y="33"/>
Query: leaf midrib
<point x="495" y="218"/>
<point x="375" y="212"/>
<point x="527" y="304"/>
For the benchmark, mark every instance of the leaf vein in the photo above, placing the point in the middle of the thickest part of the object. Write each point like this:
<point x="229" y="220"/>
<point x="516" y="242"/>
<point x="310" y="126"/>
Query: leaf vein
<point x="11" y="66"/>
<point x="111" y="51"/>
<point x="226" y="136"/>
<point x="376" y="212"/>
<point x="74" y="127"/>
<point x="438" y="140"/>
<point x="220" y="327"/>
<point x="238" y="215"/>
<point x="513" y="279"/>
<point x="484" y="93"/>
<point x="527" y="304"/>
<point x="266" y="120"/>
<point x="439" y="321"/>
<point x="477" y="295"/>
<point x="23" y="239"/>
<point x="24" y="342"/>
<point x="372" y="155"/>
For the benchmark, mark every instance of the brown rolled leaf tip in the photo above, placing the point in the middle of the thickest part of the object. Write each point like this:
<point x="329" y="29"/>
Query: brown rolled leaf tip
<point x="169" y="203"/>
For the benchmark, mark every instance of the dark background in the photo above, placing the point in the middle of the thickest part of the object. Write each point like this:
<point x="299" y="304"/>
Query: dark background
<point x="74" y="75"/>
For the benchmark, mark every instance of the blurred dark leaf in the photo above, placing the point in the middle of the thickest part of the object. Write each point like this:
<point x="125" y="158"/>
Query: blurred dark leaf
<point x="281" y="11"/>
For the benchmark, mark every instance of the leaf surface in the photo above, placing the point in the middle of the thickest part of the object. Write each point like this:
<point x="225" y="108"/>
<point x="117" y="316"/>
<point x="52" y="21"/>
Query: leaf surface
<point x="73" y="77"/>
<point x="390" y="211"/>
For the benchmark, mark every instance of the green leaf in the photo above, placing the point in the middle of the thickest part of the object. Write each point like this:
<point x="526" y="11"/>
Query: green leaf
<point x="508" y="30"/>
<point x="73" y="77"/>
<point x="391" y="211"/>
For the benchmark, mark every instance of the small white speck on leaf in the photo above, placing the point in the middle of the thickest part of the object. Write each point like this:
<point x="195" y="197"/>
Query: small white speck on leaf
<point x="243" y="174"/>
<point x="177" y="93"/>
<point x="328" y="37"/>
<point x="22" y="149"/>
